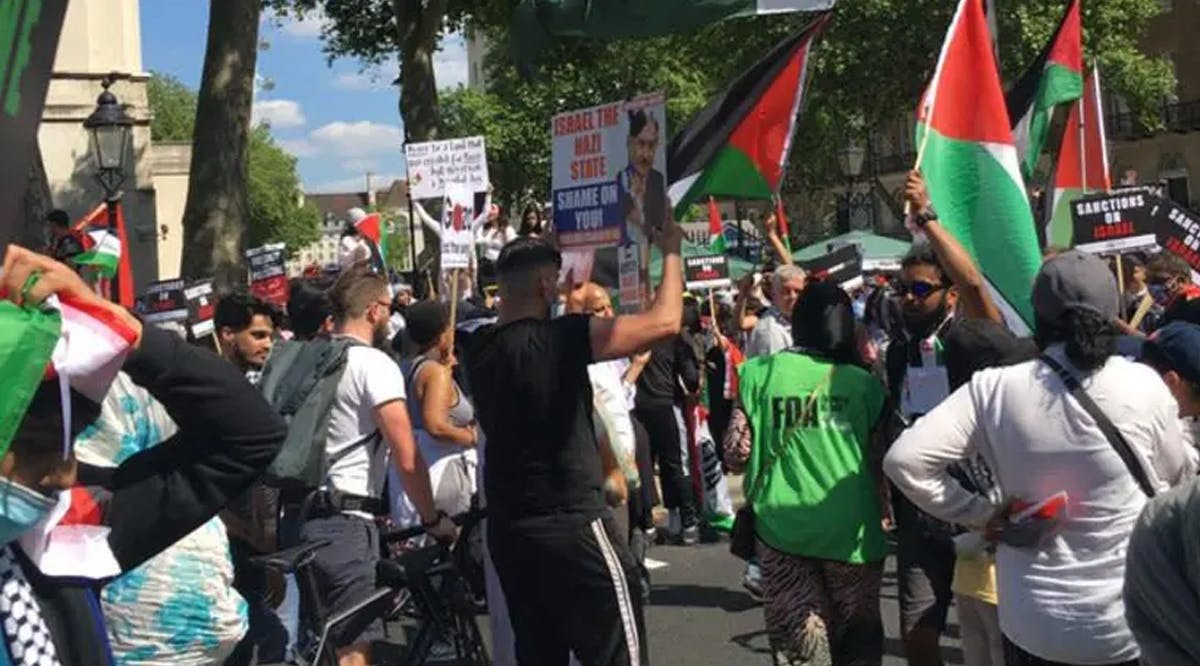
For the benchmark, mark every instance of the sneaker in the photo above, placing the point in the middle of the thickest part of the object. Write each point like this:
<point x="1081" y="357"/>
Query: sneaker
<point x="752" y="581"/>
<point x="690" y="535"/>
<point x="650" y="534"/>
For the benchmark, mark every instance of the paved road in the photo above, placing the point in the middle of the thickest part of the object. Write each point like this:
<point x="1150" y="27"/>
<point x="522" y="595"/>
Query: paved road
<point x="700" y="616"/>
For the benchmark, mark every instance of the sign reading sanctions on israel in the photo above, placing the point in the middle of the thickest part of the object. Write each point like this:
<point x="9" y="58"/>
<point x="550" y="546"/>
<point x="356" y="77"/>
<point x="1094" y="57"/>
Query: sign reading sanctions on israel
<point x="608" y="176"/>
<point x="1114" y="222"/>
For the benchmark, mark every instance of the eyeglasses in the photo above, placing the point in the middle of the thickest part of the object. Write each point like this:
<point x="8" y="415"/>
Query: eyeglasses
<point x="386" y="304"/>
<point x="919" y="288"/>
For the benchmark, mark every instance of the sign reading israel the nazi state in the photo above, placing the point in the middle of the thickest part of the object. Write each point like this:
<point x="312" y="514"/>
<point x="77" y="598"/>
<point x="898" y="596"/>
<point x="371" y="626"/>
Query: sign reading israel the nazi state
<point x="164" y="301"/>
<point x="434" y="166"/>
<point x="608" y="176"/>
<point x="201" y="306"/>
<point x="1114" y="222"/>
<point x="706" y="271"/>
<point x="268" y="273"/>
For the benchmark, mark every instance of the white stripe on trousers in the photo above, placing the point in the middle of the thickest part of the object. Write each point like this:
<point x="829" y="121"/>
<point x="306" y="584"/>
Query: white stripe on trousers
<point x="621" y="588"/>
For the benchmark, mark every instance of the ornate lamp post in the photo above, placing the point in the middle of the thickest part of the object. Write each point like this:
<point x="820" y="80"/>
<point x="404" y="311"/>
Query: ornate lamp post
<point x="109" y="127"/>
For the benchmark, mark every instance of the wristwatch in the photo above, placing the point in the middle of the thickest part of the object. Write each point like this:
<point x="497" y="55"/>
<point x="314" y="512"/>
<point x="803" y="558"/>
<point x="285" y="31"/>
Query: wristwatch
<point x="437" y="518"/>
<point x="921" y="219"/>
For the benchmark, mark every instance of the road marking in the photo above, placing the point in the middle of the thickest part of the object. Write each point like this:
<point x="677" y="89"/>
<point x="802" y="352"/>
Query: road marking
<point x="652" y="564"/>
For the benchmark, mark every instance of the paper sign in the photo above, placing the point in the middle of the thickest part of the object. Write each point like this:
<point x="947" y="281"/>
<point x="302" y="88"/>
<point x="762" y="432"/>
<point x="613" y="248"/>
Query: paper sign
<point x="1113" y="223"/>
<point x="608" y="176"/>
<point x="843" y="267"/>
<point x="268" y="273"/>
<point x="706" y="271"/>
<point x="201" y="306"/>
<point x="1179" y="231"/>
<point x="434" y="166"/>
<point x="629" y="271"/>
<point x="458" y="211"/>
<point x="28" y="42"/>
<point x="163" y="302"/>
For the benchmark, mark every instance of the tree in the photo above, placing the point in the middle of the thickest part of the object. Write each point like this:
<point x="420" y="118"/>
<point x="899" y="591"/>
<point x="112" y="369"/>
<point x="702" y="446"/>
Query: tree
<point x="174" y="108"/>
<point x="214" y="217"/>
<point x="277" y="211"/>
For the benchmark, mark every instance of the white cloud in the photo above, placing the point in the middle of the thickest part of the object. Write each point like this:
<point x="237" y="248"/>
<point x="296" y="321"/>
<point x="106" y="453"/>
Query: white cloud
<point x="306" y="27"/>
<point x="357" y="139"/>
<point x="450" y="62"/>
<point x="360" y="165"/>
<point x="354" y="183"/>
<point x="278" y="113"/>
<point x="297" y="147"/>
<point x="370" y="80"/>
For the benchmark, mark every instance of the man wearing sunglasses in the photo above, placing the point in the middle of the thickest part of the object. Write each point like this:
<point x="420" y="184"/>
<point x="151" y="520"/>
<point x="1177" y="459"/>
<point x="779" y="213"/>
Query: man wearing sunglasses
<point x="938" y="283"/>
<point x="1170" y="283"/>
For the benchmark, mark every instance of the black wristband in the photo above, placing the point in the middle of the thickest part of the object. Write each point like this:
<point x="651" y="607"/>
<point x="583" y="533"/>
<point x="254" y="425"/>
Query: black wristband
<point x="437" y="518"/>
<point x="921" y="219"/>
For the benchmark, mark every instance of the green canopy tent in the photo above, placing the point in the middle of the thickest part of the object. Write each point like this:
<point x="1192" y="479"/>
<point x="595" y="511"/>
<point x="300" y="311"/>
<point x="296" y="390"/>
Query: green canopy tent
<point x="880" y="253"/>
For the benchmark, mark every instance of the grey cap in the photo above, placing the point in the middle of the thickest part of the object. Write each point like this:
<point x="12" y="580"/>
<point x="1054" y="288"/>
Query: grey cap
<point x="1075" y="281"/>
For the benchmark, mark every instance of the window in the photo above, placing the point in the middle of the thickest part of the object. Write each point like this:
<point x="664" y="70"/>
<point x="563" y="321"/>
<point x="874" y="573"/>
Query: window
<point x="1178" y="189"/>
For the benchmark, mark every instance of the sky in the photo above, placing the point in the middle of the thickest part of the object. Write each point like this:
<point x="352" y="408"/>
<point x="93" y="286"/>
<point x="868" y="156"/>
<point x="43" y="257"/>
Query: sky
<point x="340" y="121"/>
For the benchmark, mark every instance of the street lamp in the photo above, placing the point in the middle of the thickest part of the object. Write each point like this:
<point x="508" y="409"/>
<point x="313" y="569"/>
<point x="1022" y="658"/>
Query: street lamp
<point x="850" y="159"/>
<point x="109" y="127"/>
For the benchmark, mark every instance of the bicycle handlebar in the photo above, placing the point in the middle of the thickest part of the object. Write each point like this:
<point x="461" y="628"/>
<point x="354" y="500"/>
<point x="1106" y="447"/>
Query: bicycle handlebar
<point x="471" y="515"/>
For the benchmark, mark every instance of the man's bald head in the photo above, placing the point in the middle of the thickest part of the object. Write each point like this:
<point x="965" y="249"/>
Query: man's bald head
<point x="589" y="298"/>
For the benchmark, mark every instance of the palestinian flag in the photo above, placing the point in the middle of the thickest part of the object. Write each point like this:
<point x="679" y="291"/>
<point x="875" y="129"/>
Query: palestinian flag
<point x="372" y="228"/>
<point x="1082" y="162"/>
<point x="785" y="232"/>
<point x="102" y="249"/>
<point x="536" y="22"/>
<point x="970" y="162"/>
<point x="737" y="145"/>
<point x="1055" y="78"/>
<point x="716" y="228"/>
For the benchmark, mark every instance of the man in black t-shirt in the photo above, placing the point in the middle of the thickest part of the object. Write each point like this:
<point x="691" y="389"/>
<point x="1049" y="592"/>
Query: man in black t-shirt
<point x="550" y="534"/>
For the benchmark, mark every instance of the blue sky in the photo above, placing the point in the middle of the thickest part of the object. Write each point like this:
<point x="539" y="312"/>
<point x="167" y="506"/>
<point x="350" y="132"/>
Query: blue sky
<point x="339" y="121"/>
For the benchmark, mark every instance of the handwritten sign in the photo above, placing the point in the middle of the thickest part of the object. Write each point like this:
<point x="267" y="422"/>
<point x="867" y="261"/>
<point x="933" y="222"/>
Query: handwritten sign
<point x="268" y="273"/>
<point x="163" y="302"/>
<point x="434" y="166"/>
<point x="458" y="211"/>
<point x="706" y="271"/>
<point x="608" y="176"/>
<point x="201" y="306"/>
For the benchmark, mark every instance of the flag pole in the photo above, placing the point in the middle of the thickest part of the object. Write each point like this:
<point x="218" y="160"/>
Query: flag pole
<point x="453" y="302"/>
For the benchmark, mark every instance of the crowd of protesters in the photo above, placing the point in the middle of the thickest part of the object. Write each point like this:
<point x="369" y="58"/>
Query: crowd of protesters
<point x="1040" y="485"/>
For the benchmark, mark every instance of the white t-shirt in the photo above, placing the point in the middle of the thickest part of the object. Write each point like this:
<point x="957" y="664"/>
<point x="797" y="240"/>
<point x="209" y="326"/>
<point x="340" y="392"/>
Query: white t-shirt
<point x="1062" y="601"/>
<point x="371" y="379"/>
<point x="493" y="240"/>
<point x="771" y="335"/>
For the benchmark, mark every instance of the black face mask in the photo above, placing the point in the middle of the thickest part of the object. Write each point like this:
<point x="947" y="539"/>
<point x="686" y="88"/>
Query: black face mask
<point x="921" y="326"/>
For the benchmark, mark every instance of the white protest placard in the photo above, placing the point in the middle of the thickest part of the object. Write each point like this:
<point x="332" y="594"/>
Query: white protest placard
<point x="458" y="211"/>
<point x="435" y="165"/>
<point x="608" y="176"/>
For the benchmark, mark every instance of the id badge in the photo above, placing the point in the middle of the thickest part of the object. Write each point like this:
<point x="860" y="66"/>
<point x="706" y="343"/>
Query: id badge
<point x="924" y="389"/>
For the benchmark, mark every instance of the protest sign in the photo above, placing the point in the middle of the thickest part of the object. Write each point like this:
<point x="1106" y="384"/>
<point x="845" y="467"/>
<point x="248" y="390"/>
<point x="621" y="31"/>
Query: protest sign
<point x="434" y="166"/>
<point x="200" y="306"/>
<point x="268" y="273"/>
<point x="28" y="42"/>
<point x="629" y="278"/>
<point x="843" y="266"/>
<point x="458" y="211"/>
<point x="164" y="301"/>
<point x="706" y="271"/>
<point x="1178" y="231"/>
<point x="1114" y="222"/>
<point x="608" y="172"/>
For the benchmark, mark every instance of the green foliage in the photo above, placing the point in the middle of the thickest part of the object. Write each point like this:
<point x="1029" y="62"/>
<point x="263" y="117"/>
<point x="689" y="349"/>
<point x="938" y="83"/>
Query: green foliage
<point x="174" y="108"/>
<point x="276" y="211"/>
<point x="398" y="258"/>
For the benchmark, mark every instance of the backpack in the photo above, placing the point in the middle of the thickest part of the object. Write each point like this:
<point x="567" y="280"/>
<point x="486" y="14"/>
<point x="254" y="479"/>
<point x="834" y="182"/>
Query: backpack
<point x="300" y="381"/>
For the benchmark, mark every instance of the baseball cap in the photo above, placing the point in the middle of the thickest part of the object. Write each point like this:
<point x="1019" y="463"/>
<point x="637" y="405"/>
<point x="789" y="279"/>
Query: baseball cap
<point x="1176" y="345"/>
<point x="1075" y="281"/>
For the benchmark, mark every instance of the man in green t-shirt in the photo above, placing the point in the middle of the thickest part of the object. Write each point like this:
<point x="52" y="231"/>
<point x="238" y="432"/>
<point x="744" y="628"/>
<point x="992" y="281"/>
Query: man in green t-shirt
<point x="805" y="428"/>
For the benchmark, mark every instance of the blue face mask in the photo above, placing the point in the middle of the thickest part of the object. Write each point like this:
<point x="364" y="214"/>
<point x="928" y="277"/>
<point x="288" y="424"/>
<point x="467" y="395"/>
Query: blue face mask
<point x="20" y="510"/>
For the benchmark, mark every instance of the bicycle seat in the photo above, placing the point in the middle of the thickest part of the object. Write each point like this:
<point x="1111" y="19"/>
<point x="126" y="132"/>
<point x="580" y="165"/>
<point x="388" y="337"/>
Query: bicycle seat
<point x="415" y="564"/>
<point x="291" y="559"/>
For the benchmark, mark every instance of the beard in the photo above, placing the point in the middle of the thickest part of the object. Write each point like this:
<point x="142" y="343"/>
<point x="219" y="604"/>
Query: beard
<point x="923" y="324"/>
<point x="379" y="336"/>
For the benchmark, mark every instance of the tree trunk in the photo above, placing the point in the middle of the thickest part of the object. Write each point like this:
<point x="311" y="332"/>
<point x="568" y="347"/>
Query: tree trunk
<point x="214" y="218"/>
<point x="36" y="202"/>
<point x="419" y="28"/>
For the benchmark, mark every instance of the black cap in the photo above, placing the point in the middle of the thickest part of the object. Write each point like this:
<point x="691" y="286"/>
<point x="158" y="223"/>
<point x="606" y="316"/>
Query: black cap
<point x="1177" y="346"/>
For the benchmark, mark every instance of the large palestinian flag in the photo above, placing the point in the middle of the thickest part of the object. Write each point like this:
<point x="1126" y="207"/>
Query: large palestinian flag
<point x="970" y="162"/>
<point x="1082" y="162"/>
<point x="737" y="145"/>
<point x="1055" y="78"/>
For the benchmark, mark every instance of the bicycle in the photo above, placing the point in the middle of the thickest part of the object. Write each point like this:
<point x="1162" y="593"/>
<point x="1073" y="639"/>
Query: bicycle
<point x="427" y="583"/>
